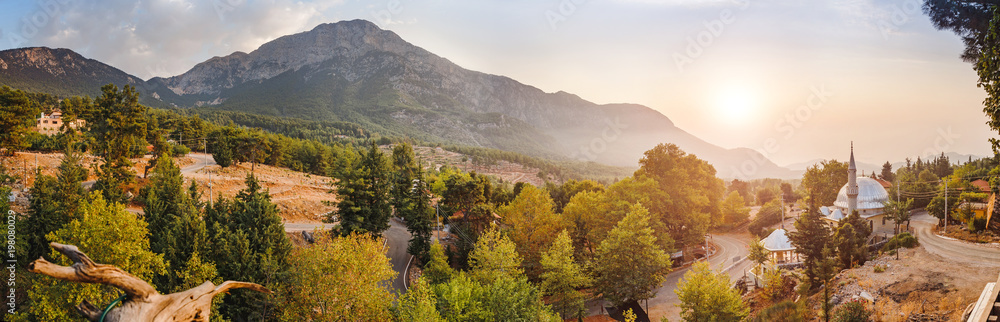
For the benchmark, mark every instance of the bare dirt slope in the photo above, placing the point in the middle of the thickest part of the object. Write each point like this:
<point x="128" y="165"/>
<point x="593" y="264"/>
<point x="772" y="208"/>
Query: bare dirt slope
<point x="299" y="196"/>
<point x="918" y="284"/>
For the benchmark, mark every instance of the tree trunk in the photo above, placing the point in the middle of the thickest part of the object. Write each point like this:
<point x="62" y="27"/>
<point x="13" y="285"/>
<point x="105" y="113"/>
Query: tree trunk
<point x="142" y="302"/>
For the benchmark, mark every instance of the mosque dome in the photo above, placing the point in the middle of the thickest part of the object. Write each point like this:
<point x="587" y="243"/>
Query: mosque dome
<point x="871" y="195"/>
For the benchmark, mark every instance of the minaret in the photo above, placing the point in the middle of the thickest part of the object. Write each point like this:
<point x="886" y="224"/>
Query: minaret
<point x="852" y="185"/>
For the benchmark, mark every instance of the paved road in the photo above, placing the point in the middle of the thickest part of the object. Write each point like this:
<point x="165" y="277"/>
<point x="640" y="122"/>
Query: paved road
<point x="955" y="250"/>
<point x="397" y="239"/>
<point x="665" y="303"/>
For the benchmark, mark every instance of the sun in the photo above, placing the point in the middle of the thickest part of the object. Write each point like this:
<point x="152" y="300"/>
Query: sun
<point x="736" y="104"/>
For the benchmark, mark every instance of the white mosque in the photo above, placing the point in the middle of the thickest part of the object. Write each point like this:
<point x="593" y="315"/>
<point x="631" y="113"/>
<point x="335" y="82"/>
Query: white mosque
<point x="864" y="194"/>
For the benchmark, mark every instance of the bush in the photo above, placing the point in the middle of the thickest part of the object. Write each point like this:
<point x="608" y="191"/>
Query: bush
<point x="904" y="239"/>
<point x="782" y="311"/>
<point x="977" y="224"/>
<point x="179" y="150"/>
<point x="879" y="268"/>
<point x="853" y="311"/>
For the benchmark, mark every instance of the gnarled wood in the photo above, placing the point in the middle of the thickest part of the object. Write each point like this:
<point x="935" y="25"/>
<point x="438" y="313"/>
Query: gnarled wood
<point x="142" y="301"/>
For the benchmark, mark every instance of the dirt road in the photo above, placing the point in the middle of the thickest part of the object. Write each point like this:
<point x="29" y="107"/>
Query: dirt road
<point x="951" y="249"/>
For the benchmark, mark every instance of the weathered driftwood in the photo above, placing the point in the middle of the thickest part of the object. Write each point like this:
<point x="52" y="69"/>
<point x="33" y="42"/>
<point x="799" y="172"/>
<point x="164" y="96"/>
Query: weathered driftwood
<point x="142" y="302"/>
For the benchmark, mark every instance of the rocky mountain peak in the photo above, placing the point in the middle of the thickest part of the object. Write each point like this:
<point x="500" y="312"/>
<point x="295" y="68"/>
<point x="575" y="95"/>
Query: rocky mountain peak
<point x="345" y="39"/>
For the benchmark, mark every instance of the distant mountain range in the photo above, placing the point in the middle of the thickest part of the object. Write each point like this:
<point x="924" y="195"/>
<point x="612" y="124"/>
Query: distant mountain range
<point x="353" y="71"/>
<point x="868" y="168"/>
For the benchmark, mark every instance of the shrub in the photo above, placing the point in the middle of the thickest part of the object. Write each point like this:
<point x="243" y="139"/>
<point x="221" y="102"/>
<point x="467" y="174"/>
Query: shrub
<point x="977" y="224"/>
<point x="782" y="311"/>
<point x="879" y="268"/>
<point x="853" y="311"/>
<point x="904" y="239"/>
<point x="179" y="150"/>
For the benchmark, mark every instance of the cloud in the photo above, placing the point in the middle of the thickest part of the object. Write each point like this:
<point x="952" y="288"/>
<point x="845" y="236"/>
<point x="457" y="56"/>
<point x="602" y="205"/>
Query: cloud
<point x="166" y="37"/>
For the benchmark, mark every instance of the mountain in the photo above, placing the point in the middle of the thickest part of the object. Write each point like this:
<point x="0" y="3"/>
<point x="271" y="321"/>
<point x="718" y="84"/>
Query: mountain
<point x="63" y="72"/>
<point x="356" y="72"/>
<point x="353" y="71"/>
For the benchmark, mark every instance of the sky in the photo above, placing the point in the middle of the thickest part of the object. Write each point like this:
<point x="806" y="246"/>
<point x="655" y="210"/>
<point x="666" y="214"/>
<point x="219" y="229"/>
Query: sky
<point x="812" y="76"/>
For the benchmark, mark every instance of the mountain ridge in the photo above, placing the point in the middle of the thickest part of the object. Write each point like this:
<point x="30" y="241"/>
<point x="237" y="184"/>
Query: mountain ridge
<point x="353" y="71"/>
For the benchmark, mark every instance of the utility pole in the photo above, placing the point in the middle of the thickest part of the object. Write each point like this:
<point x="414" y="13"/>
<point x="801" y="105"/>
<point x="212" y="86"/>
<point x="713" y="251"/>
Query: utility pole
<point x="946" y="207"/>
<point x="205" y="149"/>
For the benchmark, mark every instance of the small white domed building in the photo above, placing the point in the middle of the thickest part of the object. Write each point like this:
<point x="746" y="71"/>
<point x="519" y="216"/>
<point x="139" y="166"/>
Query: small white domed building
<point x="864" y="194"/>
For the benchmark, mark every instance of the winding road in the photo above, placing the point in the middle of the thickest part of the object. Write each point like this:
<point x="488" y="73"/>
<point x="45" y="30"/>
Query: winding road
<point x="730" y="257"/>
<point x="951" y="249"/>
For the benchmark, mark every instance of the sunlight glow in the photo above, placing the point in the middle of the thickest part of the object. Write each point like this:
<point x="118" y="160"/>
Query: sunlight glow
<point x="735" y="104"/>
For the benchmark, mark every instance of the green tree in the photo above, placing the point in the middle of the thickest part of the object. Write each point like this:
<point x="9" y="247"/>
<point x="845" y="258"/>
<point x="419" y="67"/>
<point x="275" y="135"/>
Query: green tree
<point x="55" y="201"/>
<point x="742" y="188"/>
<point x="823" y="181"/>
<point x="176" y="228"/>
<point x="809" y="239"/>
<point x="765" y="195"/>
<point x="688" y="195"/>
<point x="628" y="265"/>
<point x="248" y="243"/>
<point x="758" y="254"/>
<point x="419" y="303"/>
<point x="17" y="118"/>
<point x="886" y="173"/>
<point x="826" y="269"/>
<point x="494" y="255"/>
<point x="338" y="279"/>
<point x="532" y="226"/>
<point x="862" y="230"/>
<point x="898" y="211"/>
<point x="411" y="200"/>
<point x="364" y="196"/>
<point x="504" y="298"/>
<point x="438" y="270"/>
<point x="109" y="235"/>
<point x="848" y="246"/>
<point x="118" y="126"/>
<point x="734" y="209"/>
<point x="562" y="277"/>
<point x="706" y="296"/>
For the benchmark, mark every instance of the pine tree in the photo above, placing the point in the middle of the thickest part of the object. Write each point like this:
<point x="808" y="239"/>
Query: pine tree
<point x="364" y="196"/>
<point x="119" y="127"/>
<point x="248" y="243"/>
<point x="562" y="276"/>
<point x="411" y="200"/>
<point x="17" y="117"/>
<point x="847" y="246"/>
<point x="628" y="265"/>
<point x="177" y="229"/>
<point x="809" y="239"/>
<point x="54" y="203"/>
